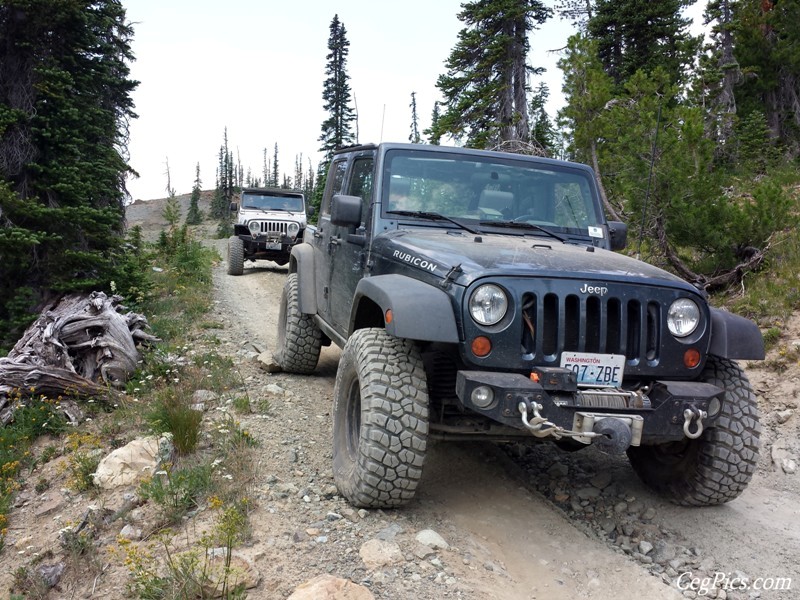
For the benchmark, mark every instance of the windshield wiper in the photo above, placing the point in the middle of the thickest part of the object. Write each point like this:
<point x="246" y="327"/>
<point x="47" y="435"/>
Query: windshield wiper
<point x="431" y="216"/>
<point x="523" y="225"/>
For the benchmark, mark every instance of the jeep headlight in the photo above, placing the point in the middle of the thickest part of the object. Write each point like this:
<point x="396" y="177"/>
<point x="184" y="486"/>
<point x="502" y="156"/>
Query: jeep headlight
<point x="488" y="304"/>
<point x="683" y="317"/>
<point x="292" y="229"/>
<point x="254" y="227"/>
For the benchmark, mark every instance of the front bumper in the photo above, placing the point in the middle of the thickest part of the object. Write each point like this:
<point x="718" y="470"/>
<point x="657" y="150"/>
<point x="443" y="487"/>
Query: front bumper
<point x="265" y="247"/>
<point x="656" y="415"/>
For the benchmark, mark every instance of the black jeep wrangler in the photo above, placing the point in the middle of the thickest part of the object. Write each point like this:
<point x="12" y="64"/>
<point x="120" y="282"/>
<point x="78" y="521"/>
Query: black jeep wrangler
<point x="476" y="295"/>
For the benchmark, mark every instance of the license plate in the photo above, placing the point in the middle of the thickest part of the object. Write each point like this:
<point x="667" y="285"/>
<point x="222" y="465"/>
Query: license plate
<point x="273" y="245"/>
<point x="595" y="370"/>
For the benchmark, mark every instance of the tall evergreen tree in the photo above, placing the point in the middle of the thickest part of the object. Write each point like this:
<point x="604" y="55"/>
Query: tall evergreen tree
<point x="265" y="169"/>
<point x="64" y="111"/>
<point x="414" y="136"/>
<point x="298" y="172"/>
<point x="767" y="46"/>
<point x="486" y="84"/>
<point x="223" y="194"/>
<point x="194" y="216"/>
<point x="543" y="132"/>
<point x="274" y="181"/>
<point x="717" y="76"/>
<point x="579" y="12"/>
<point x="336" y="129"/>
<point x="434" y="131"/>
<point x="634" y="35"/>
<point x="588" y="90"/>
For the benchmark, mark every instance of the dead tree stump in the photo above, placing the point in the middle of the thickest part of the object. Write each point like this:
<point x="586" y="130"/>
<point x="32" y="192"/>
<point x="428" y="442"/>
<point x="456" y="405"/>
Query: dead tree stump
<point x="78" y="347"/>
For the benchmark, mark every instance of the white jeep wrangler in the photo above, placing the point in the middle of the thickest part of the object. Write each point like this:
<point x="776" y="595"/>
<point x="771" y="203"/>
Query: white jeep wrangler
<point x="269" y="222"/>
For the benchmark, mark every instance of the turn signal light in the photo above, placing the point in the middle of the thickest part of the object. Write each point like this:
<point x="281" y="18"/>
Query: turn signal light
<point x="691" y="358"/>
<point x="388" y="316"/>
<point x="481" y="346"/>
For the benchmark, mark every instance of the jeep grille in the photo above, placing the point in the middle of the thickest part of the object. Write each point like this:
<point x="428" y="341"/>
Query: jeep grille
<point x="607" y="325"/>
<point x="276" y="228"/>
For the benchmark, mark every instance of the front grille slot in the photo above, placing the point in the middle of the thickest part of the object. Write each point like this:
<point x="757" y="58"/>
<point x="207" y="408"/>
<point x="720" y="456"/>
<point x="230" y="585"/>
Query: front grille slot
<point x="274" y="227"/>
<point x="610" y="325"/>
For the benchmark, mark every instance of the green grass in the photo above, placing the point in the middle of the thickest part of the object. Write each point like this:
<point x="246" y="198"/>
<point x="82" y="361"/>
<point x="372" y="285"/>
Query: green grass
<point x="216" y="462"/>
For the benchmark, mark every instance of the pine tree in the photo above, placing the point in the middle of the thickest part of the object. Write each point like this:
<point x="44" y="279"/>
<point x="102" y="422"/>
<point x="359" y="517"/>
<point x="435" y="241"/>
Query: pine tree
<point x="223" y="194"/>
<point x="336" y="129"/>
<point x="194" y="216"/>
<point x="414" y="136"/>
<point x="543" y="132"/>
<point x="274" y="181"/>
<point x="579" y="12"/>
<point x="588" y="90"/>
<point x="265" y="169"/>
<point x="486" y="83"/>
<point x="635" y="35"/>
<point x="767" y="46"/>
<point x="715" y="79"/>
<point x="434" y="131"/>
<point x="64" y="111"/>
<point x="298" y="172"/>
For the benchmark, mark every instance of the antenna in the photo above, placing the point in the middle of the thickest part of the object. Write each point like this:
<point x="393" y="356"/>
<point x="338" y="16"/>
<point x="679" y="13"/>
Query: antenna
<point x="649" y="178"/>
<point x="355" y="102"/>
<point x="383" y="118"/>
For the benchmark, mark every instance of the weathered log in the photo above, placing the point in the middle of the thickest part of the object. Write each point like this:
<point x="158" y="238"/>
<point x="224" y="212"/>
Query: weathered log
<point x="79" y="346"/>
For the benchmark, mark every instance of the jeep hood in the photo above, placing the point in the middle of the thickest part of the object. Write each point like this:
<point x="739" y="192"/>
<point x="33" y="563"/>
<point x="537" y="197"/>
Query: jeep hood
<point x="513" y="256"/>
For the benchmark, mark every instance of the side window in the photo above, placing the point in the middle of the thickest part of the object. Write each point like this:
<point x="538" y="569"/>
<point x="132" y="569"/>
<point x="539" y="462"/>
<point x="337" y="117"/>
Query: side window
<point x="334" y="185"/>
<point x="361" y="183"/>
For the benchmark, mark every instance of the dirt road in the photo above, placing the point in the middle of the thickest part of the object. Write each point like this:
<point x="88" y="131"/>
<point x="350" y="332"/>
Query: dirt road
<point x="520" y="523"/>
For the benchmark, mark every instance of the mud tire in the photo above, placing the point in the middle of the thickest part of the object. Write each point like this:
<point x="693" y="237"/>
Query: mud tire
<point x="716" y="467"/>
<point x="380" y="420"/>
<point x="299" y="339"/>
<point x="235" y="256"/>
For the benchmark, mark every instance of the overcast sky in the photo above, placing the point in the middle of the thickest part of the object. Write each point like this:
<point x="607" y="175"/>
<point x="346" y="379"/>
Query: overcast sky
<point x="257" y="67"/>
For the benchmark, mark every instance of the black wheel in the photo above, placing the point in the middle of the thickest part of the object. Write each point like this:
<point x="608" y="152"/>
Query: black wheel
<point x="380" y="420"/>
<point x="299" y="338"/>
<point x="716" y="467"/>
<point x="235" y="256"/>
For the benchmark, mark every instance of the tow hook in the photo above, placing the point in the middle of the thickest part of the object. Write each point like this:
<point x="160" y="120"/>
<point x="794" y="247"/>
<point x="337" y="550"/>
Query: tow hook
<point x="693" y="413"/>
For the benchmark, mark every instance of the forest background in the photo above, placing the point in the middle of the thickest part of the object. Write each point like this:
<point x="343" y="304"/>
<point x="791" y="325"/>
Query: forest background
<point x="695" y="141"/>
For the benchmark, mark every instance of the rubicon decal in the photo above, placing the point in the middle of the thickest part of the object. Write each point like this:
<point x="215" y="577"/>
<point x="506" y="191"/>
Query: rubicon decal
<point x="417" y="261"/>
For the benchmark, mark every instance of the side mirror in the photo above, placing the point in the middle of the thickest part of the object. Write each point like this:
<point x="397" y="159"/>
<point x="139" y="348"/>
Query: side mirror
<point x="234" y="207"/>
<point x="346" y="210"/>
<point x="618" y="235"/>
<point x="310" y="211"/>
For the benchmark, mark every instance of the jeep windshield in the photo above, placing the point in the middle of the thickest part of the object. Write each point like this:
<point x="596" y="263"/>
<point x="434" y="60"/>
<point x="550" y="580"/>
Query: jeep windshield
<point x="481" y="190"/>
<point x="272" y="202"/>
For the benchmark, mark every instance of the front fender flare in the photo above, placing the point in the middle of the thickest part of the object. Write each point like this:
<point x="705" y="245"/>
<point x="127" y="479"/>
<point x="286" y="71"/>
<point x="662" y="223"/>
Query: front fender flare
<point x="735" y="337"/>
<point x="420" y="311"/>
<point x="301" y="262"/>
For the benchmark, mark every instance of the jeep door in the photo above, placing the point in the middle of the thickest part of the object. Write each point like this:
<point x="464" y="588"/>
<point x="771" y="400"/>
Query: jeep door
<point x="339" y="251"/>
<point x="348" y="250"/>
<point x="322" y="237"/>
